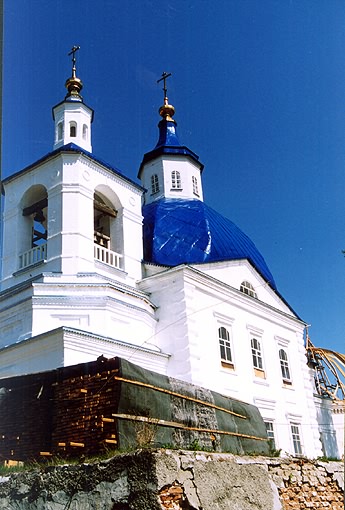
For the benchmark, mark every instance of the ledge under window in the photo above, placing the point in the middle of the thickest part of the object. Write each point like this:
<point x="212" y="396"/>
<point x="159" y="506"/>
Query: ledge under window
<point x="176" y="189"/>
<point x="287" y="382"/>
<point x="259" y="372"/>
<point x="227" y="364"/>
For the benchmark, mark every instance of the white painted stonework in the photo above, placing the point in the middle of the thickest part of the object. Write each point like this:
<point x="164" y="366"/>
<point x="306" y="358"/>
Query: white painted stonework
<point x="71" y="299"/>
<point x="163" y="167"/>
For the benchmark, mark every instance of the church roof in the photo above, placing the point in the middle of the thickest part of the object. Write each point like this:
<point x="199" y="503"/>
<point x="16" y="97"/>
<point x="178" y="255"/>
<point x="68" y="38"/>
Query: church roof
<point x="178" y="231"/>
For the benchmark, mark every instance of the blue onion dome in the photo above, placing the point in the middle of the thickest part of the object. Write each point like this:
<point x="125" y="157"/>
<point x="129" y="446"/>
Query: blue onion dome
<point x="178" y="231"/>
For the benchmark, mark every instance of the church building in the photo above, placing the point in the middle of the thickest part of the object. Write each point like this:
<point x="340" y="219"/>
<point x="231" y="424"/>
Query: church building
<point x="94" y="264"/>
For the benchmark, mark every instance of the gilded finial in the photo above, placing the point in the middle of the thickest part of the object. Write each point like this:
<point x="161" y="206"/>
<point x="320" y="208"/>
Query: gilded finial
<point x="166" y="111"/>
<point x="74" y="84"/>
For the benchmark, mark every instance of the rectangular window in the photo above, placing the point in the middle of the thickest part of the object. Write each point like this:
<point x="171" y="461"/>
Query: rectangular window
<point x="256" y="354"/>
<point x="195" y="185"/>
<point x="176" y="180"/>
<point x="225" y="347"/>
<point x="270" y="434"/>
<point x="154" y="184"/>
<point x="296" y="438"/>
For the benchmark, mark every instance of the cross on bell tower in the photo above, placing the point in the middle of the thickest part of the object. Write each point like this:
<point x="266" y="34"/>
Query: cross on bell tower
<point x="167" y="111"/>
<point x="72" y="117"/>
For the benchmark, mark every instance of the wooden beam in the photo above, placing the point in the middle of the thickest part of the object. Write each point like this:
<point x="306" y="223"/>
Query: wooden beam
<point x="105" y="209"/>
<point x="185" y="397"/>
<point x="37" y="206"/>
<point x="176" y="425"/>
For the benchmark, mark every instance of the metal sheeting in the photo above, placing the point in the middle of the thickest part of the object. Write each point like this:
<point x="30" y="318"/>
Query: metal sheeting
<point x="178" y="231"/>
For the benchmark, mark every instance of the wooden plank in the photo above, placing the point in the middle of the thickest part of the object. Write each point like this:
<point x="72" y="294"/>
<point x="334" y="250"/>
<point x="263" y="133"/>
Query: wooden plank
<point x="175" y="425"/>
<point x="185" y="397"/>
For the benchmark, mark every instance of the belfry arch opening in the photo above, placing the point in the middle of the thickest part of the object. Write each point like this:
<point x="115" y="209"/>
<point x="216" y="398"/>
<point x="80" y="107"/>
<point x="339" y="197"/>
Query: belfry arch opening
<point x="34" y="230"/>
<point x="108" y="235"/>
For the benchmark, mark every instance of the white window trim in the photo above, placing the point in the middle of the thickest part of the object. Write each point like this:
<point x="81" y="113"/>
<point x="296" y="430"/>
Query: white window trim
<point x="225" y="322"/>
<point x="176" y="181"/>
<point x="195" y="185"/>
<point x="271" y="421"/>
<point x="154" y="181"/>
<point x="257" y="333"/>
<point x="283" y="343"/>
<point x="249" y="287"/>
<point x="286" y="380"/>
<point x="297" y="424"/>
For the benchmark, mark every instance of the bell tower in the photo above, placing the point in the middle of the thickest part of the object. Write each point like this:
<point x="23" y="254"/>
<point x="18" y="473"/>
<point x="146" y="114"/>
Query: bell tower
<point x="170" y="170"/>
<point x="72" y="117"/>
<point x="72" y="251"/>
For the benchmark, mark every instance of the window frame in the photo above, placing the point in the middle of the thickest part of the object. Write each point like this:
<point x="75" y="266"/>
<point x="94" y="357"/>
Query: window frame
<point x="296" y="438"/>
<point x="284" y="366"/>
<point x="270" y="433"/>
<point x="73" y="129"/>
<point x="248" y="289"/>
<point x="60" y="131"/>
<point x="257" y="357"/>
<point x="195" y="185"/>
<point x="176" y="182"/>
<point x="225" y="345"/>
<point x="154" y="184"/>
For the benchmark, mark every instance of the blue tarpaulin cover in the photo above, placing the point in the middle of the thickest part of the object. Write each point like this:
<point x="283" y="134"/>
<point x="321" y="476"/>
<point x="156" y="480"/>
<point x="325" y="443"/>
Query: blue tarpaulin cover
<point x="178" y="231"/>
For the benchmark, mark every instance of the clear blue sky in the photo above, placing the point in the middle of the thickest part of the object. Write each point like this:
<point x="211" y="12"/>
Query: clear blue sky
<point x="259" y="92"/>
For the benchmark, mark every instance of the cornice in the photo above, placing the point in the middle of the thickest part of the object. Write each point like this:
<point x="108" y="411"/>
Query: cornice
<point x="111" y="284"/>
<point x="86" y="302"/>
<point x="78" y="333"/>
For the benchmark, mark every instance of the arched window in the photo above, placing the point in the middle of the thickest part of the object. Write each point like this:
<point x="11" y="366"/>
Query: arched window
<point x="102" y="220"/>
<point x="85" y="131"/>
<point x="195" y="185"/>
<point x="72" y="129"/>
<point x="154" y="183"/>
<point x="256" y="353"/>
<point x="60" y="131"/>
<point x="108" y="230"/>
<point x="176" y="180"/>
<point x="224" y="345"/>
<point x="33" y="239"/>
<point x="284" y="366"/>
<point x="247" y="288"/>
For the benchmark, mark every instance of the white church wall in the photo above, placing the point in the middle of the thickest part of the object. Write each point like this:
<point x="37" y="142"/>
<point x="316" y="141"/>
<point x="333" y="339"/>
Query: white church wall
<point x="95" y="308"/>
<point x="67" y="346"/>
<point x="81" y="347"/>
<point x="198" y="306"/>
<point x="15" y="319"/>
<point x="44" y="352"/>
<point x="163" y="169"/>
<point x="234" y="272"/>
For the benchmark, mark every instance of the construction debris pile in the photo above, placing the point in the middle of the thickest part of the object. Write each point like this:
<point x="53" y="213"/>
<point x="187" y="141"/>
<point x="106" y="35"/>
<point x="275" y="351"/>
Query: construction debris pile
<point x="89" y="408"/>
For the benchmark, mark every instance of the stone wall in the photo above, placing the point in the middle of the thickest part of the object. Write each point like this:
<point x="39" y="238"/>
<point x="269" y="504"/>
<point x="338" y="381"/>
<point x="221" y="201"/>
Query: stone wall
<point x="302" y="484"/>
<point x="169" y="479"/>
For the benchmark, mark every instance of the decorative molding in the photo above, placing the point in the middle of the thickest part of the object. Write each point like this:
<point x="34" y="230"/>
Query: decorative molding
<point x="225" y="319"/>
<point x="282" y="342"/>
<point x="264" y="403"/>
<point x="254" y="330"/>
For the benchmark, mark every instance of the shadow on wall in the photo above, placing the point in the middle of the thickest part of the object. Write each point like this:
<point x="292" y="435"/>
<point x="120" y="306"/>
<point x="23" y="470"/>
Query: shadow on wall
<point x="327" y="431"/>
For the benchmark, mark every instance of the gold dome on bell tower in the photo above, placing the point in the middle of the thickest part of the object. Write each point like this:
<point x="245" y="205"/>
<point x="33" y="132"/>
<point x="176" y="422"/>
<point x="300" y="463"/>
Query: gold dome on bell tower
<point x="74" y="84"/>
